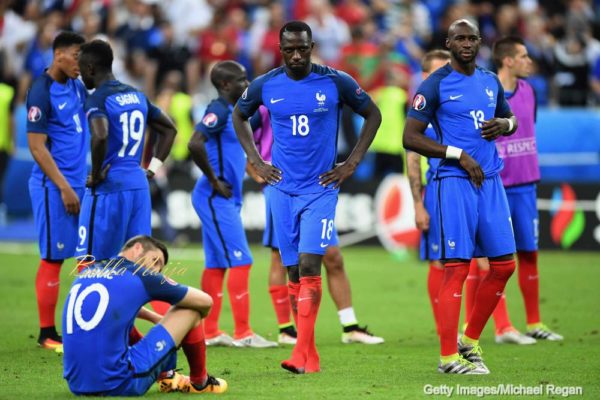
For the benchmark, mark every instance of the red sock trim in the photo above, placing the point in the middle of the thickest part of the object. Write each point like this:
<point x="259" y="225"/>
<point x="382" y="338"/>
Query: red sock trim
<point x="47" y="286"/>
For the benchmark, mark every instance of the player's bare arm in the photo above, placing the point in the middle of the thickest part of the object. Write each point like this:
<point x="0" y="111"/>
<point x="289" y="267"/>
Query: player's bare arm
<point x="345" y="169"/>
<point x="495" y="127"/>
<point x="99" y="131"/>
<point x="243" y="130"/>
<point x="41" y="155"/>
<point x="413" y="165"/>
<point x="414" y="139"/>
<point x="199" y="155"/>
<point x="165" y="128"/>
<point x="149" y="315"/>
<point x="197" y="300"/>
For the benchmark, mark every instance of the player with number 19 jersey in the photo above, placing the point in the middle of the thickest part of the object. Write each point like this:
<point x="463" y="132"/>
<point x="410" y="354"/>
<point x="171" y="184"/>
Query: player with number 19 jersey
<point x="304" y="117"/>
<point x="119" y="207"/>
<point x="456" y="105"/>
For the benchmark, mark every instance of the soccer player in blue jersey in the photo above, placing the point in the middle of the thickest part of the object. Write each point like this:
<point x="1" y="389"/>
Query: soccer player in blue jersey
<point x="116" y="205"/>
<point x="99" y="313"/>
<point x="56" y="132"/>
<point x="217" y="199"/>
<point x="304" y="100"/>
<point x="425" y="198"/>
<point x="466" y="106"/>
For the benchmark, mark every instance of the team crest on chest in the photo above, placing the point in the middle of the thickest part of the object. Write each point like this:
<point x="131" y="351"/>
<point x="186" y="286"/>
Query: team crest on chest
<point x="490" y="94"/>
<point x="320" y="97"/>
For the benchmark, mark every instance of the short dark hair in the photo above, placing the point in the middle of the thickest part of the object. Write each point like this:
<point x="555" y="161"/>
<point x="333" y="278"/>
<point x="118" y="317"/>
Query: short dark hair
<point x="148" y="243"/>
<point x="99" y="53"/>
<point x="224" y="71"/>
<point x="437" y="54"/>
<point x="295" y="26"/>
<point x="505" y="47"/>
<point x="67" y="39"/>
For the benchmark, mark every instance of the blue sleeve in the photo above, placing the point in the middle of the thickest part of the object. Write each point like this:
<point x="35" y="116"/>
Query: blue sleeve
<point x="502" y="107"/>
<point x="38" y="107"/>
<point x="251" y="99"/>
<point x="214" y="121"/>
<point x="596" y="71"/>
<point x="162" y="288"/>
<point x="426" y="100"/>
<point x="153" y="111"/>
<point x="95" y="106"/>
<point x="350" y="92"/>
<point x="256" y="121"/>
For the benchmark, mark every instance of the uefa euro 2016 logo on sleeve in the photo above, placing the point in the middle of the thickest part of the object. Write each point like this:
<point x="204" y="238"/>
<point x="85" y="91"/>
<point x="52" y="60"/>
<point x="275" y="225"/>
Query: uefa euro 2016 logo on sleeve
<point x="419" y="102"/>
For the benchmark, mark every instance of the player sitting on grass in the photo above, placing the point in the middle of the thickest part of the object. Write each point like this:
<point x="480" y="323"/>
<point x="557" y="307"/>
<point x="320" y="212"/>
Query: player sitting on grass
<point x="99" y="314"/>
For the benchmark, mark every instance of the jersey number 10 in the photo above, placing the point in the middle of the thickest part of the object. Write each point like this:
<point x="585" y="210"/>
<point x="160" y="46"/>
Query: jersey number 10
<point x="132" y="124"/>
<point x="75" y="305"/>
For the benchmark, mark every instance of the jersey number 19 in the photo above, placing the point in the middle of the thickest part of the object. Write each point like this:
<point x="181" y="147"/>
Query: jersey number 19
<point x="132" y="124"/>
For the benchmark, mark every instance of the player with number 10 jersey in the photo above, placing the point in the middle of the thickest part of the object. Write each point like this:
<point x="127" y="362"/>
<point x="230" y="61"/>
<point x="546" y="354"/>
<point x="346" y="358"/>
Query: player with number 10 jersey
<point x="116" y="205"/>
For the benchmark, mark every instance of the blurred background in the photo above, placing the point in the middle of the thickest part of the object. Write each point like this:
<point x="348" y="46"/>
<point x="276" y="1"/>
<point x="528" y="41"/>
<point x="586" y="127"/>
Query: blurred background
<point x="166" y="48"/>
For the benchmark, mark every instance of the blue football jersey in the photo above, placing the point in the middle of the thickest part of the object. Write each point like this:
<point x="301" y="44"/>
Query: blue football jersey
<point x="56" y="110"/>
<point x="127" y="110"/>
<point x="304" y="117"/>
<point x="456" y="105"/>
<point x="98" y="314"/>
<point x="225" y="153"/>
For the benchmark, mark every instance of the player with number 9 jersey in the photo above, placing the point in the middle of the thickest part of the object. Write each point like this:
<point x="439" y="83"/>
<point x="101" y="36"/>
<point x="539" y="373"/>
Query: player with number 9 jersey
<point x="116" y="205"/>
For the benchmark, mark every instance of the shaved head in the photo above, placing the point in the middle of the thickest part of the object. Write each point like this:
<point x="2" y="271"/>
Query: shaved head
<point x="462" y="22"/>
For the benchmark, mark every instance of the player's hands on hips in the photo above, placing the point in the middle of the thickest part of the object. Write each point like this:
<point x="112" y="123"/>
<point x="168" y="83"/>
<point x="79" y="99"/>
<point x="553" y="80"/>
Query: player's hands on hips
<point x="70" y="200"/>
<point x="472" y="167"/>
<point x="221" y="187"/>
<point x="493" y="128"/>
<point x="337" y="175"/>
<point x="421" y="217"/>
<point x="268" y="172"/>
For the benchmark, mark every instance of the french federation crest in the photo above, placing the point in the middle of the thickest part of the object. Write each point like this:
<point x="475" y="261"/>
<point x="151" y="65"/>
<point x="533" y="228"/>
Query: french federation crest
<point x="321" y="98"/>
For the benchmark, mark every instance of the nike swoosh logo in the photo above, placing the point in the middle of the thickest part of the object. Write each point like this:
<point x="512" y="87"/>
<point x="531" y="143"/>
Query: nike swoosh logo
<point x="323" y="245"/>
<point x="280" y="301"/>
<point x="52" y="284"/>
<point x="532" y="277"/>
<point x="303" y="298"/>
<point x="499" y="294"/>
<point x="238" y="297"/>
<point x="273" y="101"/>
<point x="63" y="105"/>
<point x="456" y="97"/>
<point x="456" y="295"/>
<point x="79" y="249"/>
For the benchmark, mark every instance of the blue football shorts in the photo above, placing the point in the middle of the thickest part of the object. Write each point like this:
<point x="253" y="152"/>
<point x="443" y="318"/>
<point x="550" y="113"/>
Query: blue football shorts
<point x="430" y="239"/>
<point x="108" y="220"/>
<point x="303" y="223"/>
<point x="57" y="230"/>
<point x="522" y="202"/>
<point x="223" y="236"/>
<point x="269" y="238"/>
<point x="474" y="221"/>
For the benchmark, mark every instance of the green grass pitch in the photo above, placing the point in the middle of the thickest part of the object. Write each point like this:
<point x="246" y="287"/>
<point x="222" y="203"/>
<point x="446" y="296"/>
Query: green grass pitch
<point x="390" y="296"/>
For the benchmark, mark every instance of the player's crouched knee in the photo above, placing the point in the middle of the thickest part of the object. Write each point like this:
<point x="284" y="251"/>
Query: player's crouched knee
<point x="197" y="300"/>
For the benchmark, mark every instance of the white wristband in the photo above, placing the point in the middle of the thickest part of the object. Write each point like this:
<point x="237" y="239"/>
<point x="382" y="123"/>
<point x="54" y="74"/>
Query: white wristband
<point x="453" y="152"/>
<point x="510" y="124"/>
<point x="155" y="164"/>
